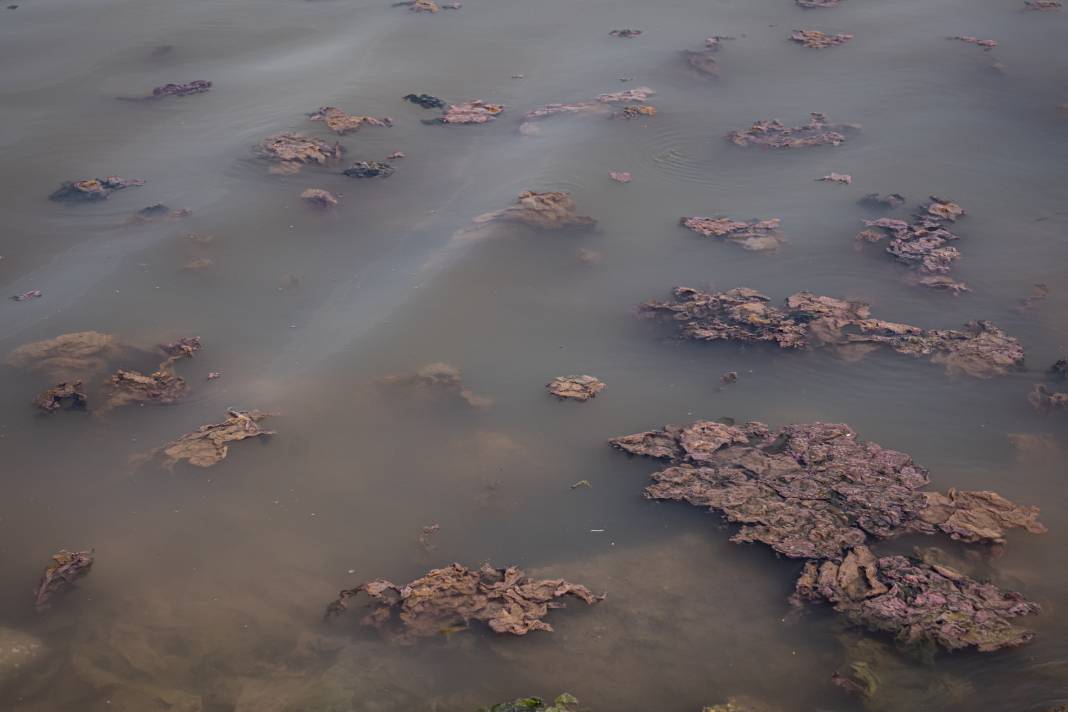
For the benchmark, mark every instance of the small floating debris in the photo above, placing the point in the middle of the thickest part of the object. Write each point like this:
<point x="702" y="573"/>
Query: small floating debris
<point x="985" y="44"/>
<point x="757" y="235"/>
<point x="922" y="244"/>
<point x="452" y="597"/>
<point x="197" y="86"/>
<point x="369" y="169"/>
<point x="342" y="123"/>
<point x="1043" y="5"/>
<point x="395" y="155"/>
<point x="979" y="349"/>
<point x="424" y="537"/>
<point x="475" y="111"/>
<point x="814" y="39"/>
<point x="437" y="379"/>
<point x="1046" y="401"/>
<point x="633" y="112"/>
<point x="553" y="210"/>
<point x="320" y="197"/>
<point x="625" y="33"/>
<point x="426" y="101"/>
<point x="728" y="378"/>
<point x="427" y="5"/>
<point x="580" y="388"/>
<point x="811" y="4"/>
<point x="27" y="296"/>
<point x="93" y="188"/>
<point x="185" y="346"/>
<point x="621" y="177"/>
<point x="209" y="444"/>
<point x="292" y="150"/>
<point x="582" y="483"/>
<point x="773" y="134"/>
<point x="213" y="376"/>
<point x="69" y="393"/>
<point x="157" y="211"/>
<point x="60" y="576"/>
<point x="843" y="178"/>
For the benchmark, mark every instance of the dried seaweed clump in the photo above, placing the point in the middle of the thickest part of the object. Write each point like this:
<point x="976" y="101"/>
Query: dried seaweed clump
<point x="580" y="388"/>
<point x="987" y="45"/>
<point x="597" y="106"/>
<point x="814" y="39"/>
<point x="437" y="379"/>
<point x="773" y="134"/>
<point x="320" y="197"/>
<point x="451" y="598"/>
<point x="815" y="491"/>
<point x="756" y="235"/>
<point x="475" y="111"/>
<point x="162" y="386"/>
<point x="563" y="703"/>
<point x="342" y="123"/>
<point x="66" y="568"/>
<point x="209" y="444"/>
<point x="93" y="188"/>
<point x="53" y="398"/>
<point x="923" y="243"/>
<point x="917" y="602"/>
<point x="68" y="357"/>
<point x="291" y="150"/>
<point x="703" y="60"/>
<point x="977" y="349"/>
<point x="554" y="210"/>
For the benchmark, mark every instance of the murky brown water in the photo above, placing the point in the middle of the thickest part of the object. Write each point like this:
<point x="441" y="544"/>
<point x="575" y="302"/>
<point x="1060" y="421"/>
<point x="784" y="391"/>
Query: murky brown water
<point x="209" y="585"/>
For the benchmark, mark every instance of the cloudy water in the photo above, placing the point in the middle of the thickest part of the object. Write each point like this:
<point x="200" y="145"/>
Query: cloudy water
<point x="209" y="584"/>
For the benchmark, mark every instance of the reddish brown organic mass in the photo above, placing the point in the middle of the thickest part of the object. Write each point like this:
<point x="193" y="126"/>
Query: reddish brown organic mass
<point x="756" y="235"/>
<point x="547" y="211"/>
<point x="774" y="134"/>
<point x="814" y="39"/>
<point x="453" y="597"/>
<point x="66" y="568"/>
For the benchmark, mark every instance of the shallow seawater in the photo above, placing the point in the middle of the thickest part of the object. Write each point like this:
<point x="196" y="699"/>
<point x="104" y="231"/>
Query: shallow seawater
<point x="209" y="586"/>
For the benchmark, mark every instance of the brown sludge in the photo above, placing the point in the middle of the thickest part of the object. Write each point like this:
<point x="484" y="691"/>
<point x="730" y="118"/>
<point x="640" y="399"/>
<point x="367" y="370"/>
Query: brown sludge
<point x="773" y="134"/>
<point x="342" y="123"/>
<point x="66" y="568"/>
<point x="320" y="197"/>
<point x="475" y="111"/>
<point x="93" y="188"/>
<point x="68" y="357"/>
<point x="890" y="200"/>
<point x="1039" y="292"/>
<point x="757" y="235"/>
<point x="917" y="602"/>
<point x="922" y="244"/>
<point x="1045" y="401"/>
<point x="598" y="106"/>
<point x="53" y="398"/>
<point x="554" y="210"/>
<point x="814" y="39"/>
<point x="978" y="349"/>
<point x="580" y="388"/>
<point x="209" y="444"/>
<point x="452" y="597"/>
<point x="291" y="150"/>
<point x="703" y="61"/>
<point x="816" y="491"/>
<point x="437" y="379"/>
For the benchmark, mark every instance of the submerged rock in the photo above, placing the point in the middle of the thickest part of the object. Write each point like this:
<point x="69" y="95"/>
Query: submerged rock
<point x="54" y="398"/>
<point x="917" y="602"/>
<point x="342" y="123"/>
<point x="437" y="379"/>
<point x="563" y="703"/>
<point x="426" y="101"/>
<point x="209" y="444"/>
<point x="60" y="576"/>
<point x="978" y="349"/>
<point x="475" y="111"/>
<point x="703" y="60"/>
<point x="369" y="169"/>
<point x="291" y="150"/>
<point x="320" y="197"/>
<point x="774" y="134"/>
<point x="93" y="188"/>
<point x="1039" y="292"/>
<point x="890" y="200"/>
<point x="813" y="490"/>
<point x="451" y="598"/>
<point x="814" y="39"/>
<point x="754" y="235"/>
<point x="580" y="388"/>
<point x="547" y="211"/>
